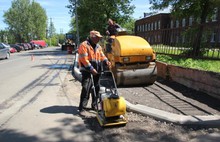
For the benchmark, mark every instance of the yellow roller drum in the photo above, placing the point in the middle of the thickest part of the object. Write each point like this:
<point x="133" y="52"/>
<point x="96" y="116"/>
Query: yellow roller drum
<point x="131" y="45"/>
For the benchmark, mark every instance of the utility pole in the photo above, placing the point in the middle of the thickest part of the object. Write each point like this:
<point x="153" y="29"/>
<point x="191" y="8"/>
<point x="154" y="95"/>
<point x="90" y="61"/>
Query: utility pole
<point x="77" y="25"/>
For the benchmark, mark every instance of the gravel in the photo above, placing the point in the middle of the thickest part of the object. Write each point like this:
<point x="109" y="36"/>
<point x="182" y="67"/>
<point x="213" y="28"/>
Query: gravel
<point x="162" y="95"/>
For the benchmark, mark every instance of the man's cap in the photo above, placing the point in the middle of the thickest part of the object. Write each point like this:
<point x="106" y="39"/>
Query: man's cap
<point x="95" y="33"/>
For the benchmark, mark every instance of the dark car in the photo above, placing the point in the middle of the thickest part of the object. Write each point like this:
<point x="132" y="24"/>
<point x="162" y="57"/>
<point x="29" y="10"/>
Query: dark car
<point x="17" y="47"/>
<point x="29" y="46"/>
<point x="25" y="47"/>
<point x="4" y="51"/>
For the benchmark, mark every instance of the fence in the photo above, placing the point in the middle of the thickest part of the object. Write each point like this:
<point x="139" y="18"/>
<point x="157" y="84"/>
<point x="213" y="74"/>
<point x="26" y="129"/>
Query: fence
<point x="187" y="42"/>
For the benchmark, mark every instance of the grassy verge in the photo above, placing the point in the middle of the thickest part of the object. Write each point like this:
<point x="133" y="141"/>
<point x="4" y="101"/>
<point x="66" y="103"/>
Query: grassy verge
<point x="207" y="65"/>
<point x="212" y="53"/>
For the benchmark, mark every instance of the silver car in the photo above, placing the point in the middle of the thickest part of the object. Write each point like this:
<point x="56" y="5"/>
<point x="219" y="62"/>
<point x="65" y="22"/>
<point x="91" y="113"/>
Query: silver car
<point x="4" y="51"/>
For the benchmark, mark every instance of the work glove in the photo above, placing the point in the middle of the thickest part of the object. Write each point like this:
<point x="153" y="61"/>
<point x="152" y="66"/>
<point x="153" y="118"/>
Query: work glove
<point x="109" y="64"/>
<point x="94" y="72"/>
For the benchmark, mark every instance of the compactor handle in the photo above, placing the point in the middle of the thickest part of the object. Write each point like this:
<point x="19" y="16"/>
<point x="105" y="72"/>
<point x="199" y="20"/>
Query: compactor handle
<point x="104" y="67"/>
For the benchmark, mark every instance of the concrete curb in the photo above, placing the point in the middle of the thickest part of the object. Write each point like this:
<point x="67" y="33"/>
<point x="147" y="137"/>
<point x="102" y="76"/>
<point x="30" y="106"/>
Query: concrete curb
<point x="205" y="121"/>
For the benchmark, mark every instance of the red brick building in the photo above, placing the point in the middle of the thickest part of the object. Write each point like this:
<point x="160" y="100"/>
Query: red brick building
<point x="163" y="29"/>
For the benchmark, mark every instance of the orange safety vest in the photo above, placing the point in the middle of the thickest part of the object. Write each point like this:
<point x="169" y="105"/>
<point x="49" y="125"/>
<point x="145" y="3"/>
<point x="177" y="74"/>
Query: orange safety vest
<point x="90" y="58"/>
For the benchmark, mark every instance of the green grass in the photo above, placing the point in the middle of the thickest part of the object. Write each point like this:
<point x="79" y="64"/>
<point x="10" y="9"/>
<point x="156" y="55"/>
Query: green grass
<point x="207" y="65"/>
<point x="180" y="50"/>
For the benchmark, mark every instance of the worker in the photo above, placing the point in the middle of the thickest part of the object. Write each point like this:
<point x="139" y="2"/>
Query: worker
<point x="90" y="58"/>
<point x="111" y="32"/>
<point x="112" y="28"/>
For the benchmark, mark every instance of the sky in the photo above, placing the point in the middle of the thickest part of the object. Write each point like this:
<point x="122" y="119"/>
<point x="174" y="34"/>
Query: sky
<point x="57" y="12"/>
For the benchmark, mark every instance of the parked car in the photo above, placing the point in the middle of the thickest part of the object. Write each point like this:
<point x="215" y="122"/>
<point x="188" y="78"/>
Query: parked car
<point x="4" y="51"/>
<point x="11" y="49"/>
<point x="29" y="46"/>
<point x="17" y="47"/>
<point x="41" y="43"/>
<point x="25" y="47"/>
<point x="36" y="46"/>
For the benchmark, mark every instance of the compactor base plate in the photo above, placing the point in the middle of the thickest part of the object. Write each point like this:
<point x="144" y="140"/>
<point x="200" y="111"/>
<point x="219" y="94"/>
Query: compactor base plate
<point x="110" y="121"/>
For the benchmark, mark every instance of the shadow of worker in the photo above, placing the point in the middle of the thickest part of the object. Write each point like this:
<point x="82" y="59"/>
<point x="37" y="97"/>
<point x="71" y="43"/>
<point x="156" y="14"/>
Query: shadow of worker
<point x="60" y="109"/>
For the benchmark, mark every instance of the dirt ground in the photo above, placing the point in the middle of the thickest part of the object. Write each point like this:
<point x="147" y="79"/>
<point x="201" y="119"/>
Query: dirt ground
<point x="143" y="128"/>
<point x="172" y="97"/>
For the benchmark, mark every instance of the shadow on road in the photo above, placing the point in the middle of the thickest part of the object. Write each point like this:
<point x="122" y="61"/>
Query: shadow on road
<point x="10" y="135"/>
<point x="60" y="109"/>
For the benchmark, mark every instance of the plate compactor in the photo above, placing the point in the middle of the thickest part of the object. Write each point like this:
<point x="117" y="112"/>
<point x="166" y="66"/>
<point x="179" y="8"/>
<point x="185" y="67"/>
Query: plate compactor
<point x="111" y="108"/>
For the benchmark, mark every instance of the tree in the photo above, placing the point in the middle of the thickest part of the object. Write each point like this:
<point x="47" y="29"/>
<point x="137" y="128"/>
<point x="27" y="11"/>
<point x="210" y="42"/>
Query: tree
<point x="95" y="14"/>
<point x="72" y="25"/>
<point x="26" y="20"/>
<point x="129" y="26"/>
<point x="52" y="29"/>
<point x="199" y="9"/>
<point x="39" y="19"/>
<point x="5" y="36"/>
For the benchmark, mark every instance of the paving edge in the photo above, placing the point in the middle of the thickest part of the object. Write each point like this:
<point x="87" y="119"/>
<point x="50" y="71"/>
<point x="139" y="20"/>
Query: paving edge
<point x="206" y="120"/>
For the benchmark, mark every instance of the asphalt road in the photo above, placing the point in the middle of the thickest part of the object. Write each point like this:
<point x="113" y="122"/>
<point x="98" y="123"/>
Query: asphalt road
<point x="39" y="99"/>
<point x="33" y="104"/>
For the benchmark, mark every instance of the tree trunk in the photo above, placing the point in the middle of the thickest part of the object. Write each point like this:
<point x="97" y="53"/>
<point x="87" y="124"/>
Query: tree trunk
<point x="197" y="41"/>
<point x="198" y="38"/>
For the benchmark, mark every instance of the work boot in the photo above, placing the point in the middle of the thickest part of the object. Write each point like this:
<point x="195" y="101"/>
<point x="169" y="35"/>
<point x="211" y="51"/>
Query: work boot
<point x="93" y="107"/>
<point x="83" y="113"/>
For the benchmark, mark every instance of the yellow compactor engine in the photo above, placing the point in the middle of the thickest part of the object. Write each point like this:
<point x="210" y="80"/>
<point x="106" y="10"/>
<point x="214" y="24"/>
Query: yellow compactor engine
<point x="133" y="61"/>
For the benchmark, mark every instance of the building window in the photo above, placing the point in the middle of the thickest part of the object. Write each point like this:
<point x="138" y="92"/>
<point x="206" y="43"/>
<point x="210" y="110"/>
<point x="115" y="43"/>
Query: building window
<point x="146" y="27"/>
<point x="214" y="16"/>
<point x="183" y="22"/>
<point x="152" y="26"/>
<point x="155" y="25"/>
<point x="171" y="39"/>
<point x="158" y="38"/>
<point x="219" y="37"/>
<point x="190" y="20"/>
<point x="177" y="39"/>
<point x="177" y="23"/>
<point x="213" y="36"/>
<point x="159" y="24"/>
<point x="183" y="39"/>
<point x="171" y="24"/>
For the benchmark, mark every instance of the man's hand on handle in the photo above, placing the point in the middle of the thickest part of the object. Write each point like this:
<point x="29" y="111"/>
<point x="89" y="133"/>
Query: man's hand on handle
<point x="109" y="64"/>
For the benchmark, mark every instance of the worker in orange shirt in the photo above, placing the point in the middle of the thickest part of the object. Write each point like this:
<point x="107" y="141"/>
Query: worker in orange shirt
<point x="90" y="58"/>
